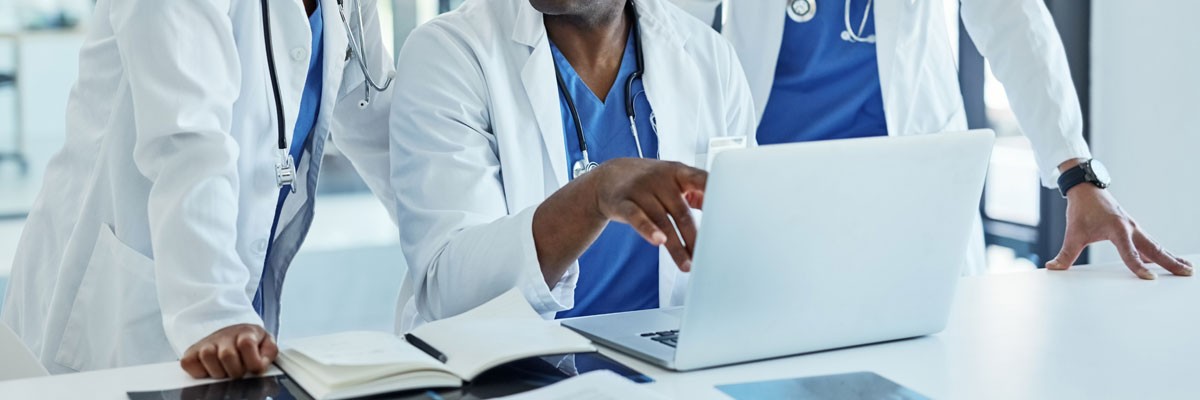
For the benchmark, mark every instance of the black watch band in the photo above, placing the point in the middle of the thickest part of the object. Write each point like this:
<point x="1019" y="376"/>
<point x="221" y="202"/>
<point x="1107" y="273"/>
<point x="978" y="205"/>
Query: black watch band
<point x="1071" y="178"/>
<point x="1089" y="171"/>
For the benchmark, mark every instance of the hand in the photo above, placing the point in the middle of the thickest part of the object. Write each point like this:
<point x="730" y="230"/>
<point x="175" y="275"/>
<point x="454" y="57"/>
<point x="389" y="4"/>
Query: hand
<point x="231" y="352"/>
<point x="1093" y="215"/>
<point x="644" y="193"/>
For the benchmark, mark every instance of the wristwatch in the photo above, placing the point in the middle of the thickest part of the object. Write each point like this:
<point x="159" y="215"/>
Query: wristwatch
<point x="1090" y="171"/>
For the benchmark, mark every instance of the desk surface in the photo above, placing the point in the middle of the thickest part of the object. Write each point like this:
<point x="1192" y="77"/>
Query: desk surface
<point x="1094" y="332"/>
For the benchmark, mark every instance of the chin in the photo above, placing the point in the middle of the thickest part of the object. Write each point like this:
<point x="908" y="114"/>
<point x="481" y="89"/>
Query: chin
<point x="568" y="7"/>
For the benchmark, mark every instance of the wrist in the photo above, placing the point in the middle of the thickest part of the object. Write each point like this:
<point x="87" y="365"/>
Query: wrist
<point x="1077" y="173"/>
<point x="592" y="191"/>
<point x="1072" y="163"/>
<point x="1082" y="190"/>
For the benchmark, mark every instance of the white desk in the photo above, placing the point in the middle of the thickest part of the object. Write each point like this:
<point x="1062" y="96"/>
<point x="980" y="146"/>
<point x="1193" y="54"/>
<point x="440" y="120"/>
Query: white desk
<point x="1092" y="333"/>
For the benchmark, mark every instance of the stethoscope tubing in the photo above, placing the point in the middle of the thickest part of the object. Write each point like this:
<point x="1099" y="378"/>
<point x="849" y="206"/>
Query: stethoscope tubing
<point x="285" y="169"/>
<point x="586" y="163"/>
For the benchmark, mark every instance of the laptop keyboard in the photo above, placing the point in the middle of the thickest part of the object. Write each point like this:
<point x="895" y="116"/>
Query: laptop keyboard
<point x="669" y="338"/>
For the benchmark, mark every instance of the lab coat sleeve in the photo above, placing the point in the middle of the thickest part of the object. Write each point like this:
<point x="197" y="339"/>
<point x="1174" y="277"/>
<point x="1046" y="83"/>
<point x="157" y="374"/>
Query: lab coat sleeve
<point x="1026" y="54"/>
<point x="462" y="243"/>
<point x="184" y="77"/>
<point x="362" y="133"/>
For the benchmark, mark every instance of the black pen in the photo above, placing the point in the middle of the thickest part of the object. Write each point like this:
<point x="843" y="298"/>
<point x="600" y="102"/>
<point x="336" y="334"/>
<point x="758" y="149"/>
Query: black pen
<point x="425" y="347"/>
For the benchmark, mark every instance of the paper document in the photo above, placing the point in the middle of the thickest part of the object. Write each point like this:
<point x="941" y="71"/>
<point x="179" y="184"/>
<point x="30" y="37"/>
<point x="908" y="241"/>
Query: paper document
<point x="357" y="348"/>
<point x="595" y="385"/>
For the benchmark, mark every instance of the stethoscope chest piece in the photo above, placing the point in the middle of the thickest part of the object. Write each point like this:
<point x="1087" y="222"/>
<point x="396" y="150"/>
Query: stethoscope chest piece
<point x="802" y="10"/>
<point x="285" y="171"/>
<point x="582" y="167"/>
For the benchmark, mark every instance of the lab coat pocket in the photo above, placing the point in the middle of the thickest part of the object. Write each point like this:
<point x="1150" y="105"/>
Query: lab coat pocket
<point x="115" y="320"/>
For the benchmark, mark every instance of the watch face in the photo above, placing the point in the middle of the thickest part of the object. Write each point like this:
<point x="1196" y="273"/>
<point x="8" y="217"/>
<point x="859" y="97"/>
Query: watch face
<point x="1099" y="172"/>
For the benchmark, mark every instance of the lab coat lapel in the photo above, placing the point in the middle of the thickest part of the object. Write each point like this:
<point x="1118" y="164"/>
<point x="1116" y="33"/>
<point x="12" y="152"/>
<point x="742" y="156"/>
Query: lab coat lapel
<point x="887" y="34"/>
<point x="669" y="69"/>
<point x="675" y="102"/>
<point x="537" y="77"/>
<point x="336" y="58"/>
<point x="334" y="44"/>
<point x="755" y="28"/>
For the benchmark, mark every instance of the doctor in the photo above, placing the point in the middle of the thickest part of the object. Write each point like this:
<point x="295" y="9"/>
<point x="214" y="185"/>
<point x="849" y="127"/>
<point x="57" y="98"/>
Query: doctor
<point x="167" y="222"/>
<point x="830" y="69"/>
<point x="501" y="108"/>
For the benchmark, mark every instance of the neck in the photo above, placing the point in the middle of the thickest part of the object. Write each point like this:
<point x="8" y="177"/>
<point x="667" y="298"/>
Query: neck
<point x="593" y="41"/>
<point x="310" y="6"/>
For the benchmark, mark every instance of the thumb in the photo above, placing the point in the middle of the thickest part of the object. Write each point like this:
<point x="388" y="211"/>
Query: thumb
<point x="1072" y="246"/>
<point x="268" y="349"/>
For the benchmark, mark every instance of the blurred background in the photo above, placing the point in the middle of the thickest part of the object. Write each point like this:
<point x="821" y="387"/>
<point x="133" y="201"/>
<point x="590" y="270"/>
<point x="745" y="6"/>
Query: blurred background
<point x="1134" y="65"/>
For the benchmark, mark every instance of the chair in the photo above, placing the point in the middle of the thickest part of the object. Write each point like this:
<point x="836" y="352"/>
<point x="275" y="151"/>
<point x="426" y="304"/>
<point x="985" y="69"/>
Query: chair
<point x="19" y="362"/>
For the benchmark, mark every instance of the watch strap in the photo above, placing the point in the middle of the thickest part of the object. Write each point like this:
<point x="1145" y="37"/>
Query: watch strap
<point x="1071" y="178"/>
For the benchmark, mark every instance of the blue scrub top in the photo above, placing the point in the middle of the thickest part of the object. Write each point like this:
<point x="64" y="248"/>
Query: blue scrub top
<point x="310" y="107"/>
<point x="619" y="272"/>
<point x="825" y="87"/>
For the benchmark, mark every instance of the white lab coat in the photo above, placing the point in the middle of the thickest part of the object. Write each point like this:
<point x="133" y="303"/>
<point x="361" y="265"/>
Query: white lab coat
<point x="477" y="144"/>
<point x="919" y="77"/>
<point x="150" y="231"/>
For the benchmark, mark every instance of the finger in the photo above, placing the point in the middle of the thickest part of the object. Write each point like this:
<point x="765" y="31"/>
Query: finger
<point x="212" y="364"/>
<point x="247" y="345"/>
<point x="682" y="216"/>
<point x="191" y="364"/>
<point x="636" y="218"/>
<point x="694" y="199"/>
<point x="227" y="352"/>
<point x="657" y="213"/>
<point x="691" y="179"/>
<point x="1153" y="252"/>
<point x="1130" y="256"/>
<point x="269" y="351"/>
<point x="1072" y="246"/>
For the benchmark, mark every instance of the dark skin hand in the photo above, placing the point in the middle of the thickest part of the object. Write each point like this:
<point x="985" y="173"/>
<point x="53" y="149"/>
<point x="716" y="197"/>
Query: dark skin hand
<point x="232" y="352"/>
<point x="646" y="194"/>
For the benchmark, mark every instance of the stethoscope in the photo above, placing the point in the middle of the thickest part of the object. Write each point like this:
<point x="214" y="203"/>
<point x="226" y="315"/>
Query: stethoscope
<point x="805" y="10"/>
<point x="285" y="169"/>
<point x="585" y="164"/>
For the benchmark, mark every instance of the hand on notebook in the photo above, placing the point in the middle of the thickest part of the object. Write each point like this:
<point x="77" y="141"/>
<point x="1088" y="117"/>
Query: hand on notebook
<point x="231" y="352"/>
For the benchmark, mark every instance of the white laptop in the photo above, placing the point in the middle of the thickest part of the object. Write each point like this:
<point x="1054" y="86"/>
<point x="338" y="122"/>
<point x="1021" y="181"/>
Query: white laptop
<point x="816" y="246"/>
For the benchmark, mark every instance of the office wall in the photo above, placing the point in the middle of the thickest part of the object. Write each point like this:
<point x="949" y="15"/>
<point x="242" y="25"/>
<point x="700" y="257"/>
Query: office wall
<point x="1146" y="115"/>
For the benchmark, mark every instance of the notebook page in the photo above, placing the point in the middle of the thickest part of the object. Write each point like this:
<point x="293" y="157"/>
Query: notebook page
<point x="502" y="330"/>
<point x="360" y="349"/>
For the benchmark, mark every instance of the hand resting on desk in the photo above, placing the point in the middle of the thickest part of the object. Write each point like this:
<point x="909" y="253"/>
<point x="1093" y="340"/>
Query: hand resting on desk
<point x="231" y="352"/>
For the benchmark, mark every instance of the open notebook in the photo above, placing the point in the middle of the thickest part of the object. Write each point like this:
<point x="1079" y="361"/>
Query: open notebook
<point x="355" y="364"/>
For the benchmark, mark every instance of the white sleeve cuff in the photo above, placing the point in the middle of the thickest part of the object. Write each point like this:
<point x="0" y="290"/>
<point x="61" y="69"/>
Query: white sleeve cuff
<point x="1048" y="163"/>
<point x="545" y="301"/>
<point x="183" y="332"/>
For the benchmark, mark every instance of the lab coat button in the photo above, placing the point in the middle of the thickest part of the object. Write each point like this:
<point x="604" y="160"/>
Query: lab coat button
<point x="260" y="245"/>
<point x="298" y="54"/>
